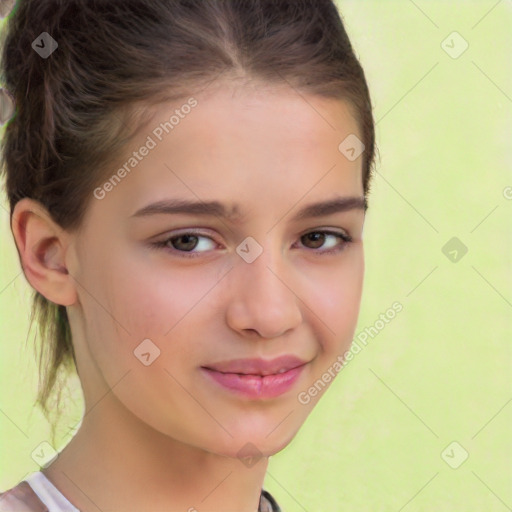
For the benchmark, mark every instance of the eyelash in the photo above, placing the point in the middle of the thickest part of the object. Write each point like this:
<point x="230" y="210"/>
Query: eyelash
<point x="163" y="244"/>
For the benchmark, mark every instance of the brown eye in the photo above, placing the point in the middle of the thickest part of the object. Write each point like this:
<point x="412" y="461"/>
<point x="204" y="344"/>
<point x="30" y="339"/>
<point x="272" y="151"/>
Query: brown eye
<point x="185" y="242"/>
<point x="317" y="239"/>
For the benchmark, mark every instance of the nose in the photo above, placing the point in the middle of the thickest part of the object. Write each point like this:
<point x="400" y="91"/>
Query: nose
<point x="262" y="297"/>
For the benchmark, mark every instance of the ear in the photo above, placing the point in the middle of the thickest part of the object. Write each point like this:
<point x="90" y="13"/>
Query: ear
<point x="42" y="246"/>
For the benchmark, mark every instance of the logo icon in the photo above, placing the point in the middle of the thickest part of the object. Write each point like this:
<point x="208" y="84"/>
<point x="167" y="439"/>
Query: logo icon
<point x="454" y="45"/>
<point x="249" y="249"/>
<point x="454" y="455"/>
<point x="146" y="352"/>
<point x="44" y="454"/>
<point x="352" y="147"/>
<point x="454" y="250"/>
<point x="44" y="45"/>
<point x="249" y="455"/>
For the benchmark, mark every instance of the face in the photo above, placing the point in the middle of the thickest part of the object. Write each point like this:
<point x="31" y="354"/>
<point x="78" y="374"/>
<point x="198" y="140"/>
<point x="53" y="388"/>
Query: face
<point x="171" y="293"/>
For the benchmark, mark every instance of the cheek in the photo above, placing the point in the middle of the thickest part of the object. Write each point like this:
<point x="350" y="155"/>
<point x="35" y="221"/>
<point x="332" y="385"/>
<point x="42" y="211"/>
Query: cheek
<point x="160" y="302"/>
<point x="335" y="297"/>
<point x="151" y="297"/>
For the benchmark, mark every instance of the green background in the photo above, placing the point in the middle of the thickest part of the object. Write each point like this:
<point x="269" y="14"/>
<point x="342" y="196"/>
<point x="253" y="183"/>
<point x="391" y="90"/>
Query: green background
<point x="440" y="371"/>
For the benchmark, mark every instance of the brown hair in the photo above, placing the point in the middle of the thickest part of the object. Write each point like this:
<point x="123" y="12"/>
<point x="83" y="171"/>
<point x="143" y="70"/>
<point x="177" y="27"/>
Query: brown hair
<point x="116" y="58"/>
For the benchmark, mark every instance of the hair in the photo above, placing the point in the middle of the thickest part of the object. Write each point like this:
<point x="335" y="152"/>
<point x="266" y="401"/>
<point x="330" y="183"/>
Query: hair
<point x="114" y="59"/>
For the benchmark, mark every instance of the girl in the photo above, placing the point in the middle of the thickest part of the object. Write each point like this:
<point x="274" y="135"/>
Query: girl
<point x="188" y="182"/>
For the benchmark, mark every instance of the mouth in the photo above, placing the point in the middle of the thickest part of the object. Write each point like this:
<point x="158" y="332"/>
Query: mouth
<point x="257" y="378"/>
<point x="258" y="367"/>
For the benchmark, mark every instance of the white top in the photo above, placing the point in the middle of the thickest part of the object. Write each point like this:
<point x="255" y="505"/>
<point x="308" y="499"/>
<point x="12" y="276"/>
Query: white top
<point x="49" y="494"/>
<point x="55" y="501"/>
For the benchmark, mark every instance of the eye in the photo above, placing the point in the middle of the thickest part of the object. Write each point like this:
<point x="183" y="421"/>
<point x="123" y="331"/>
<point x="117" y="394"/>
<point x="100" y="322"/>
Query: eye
<point x="186" y="243"/>
<point x="318" y="239"/>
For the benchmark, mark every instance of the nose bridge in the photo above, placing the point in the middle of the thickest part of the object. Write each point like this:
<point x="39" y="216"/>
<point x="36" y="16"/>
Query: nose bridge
<point x="262" y="294"/>
<point x="261" y="272"/>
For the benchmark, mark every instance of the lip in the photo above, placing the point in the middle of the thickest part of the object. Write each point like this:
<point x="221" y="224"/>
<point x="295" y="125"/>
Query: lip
<point x="257" y="378"/>
<point x="260" y="367"/>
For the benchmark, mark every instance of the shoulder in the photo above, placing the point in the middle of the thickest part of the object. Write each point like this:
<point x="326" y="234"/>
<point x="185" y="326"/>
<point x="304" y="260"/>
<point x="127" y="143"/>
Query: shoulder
<point x="21" y="498"/>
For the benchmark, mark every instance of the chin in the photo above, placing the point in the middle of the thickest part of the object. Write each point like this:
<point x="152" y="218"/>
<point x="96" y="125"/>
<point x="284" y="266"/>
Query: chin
<point x="256" y="442"/>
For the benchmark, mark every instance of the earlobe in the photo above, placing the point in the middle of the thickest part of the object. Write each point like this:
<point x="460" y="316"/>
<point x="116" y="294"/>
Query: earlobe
<point x="42" y="246"/>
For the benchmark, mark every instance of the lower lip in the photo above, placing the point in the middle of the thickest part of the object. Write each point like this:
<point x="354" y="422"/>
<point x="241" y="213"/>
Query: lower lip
<point x="255" y="386"/>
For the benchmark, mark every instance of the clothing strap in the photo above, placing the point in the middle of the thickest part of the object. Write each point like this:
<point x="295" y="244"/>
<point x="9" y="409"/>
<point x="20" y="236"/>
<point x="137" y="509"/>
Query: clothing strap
<point x="268" y="503"/>
<point x="21" y="498"/>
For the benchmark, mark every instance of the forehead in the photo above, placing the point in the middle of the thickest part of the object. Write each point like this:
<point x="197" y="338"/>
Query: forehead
<point x="260" y="144"/>
<point x="229" y="117"/>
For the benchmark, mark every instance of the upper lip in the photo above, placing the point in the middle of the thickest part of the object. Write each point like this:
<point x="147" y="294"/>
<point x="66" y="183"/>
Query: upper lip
<point x="258" y="366"/>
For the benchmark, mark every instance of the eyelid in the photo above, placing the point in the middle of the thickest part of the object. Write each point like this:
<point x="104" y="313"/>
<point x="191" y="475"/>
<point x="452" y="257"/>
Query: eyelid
<point x="327" y="230"/>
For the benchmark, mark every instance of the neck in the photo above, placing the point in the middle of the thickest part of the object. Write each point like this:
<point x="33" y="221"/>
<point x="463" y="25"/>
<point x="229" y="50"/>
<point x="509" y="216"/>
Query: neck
<point x="117" y="462"/>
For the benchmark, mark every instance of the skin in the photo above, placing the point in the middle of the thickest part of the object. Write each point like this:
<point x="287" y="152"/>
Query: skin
<point x="163" y="436"/>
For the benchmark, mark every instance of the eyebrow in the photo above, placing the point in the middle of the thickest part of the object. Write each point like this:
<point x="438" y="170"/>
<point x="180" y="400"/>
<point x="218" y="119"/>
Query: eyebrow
<point x="218" y="209"/>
